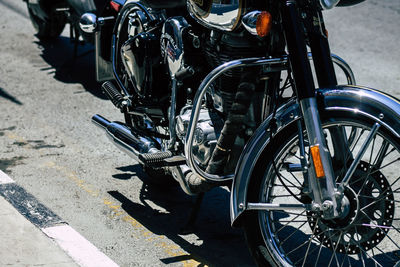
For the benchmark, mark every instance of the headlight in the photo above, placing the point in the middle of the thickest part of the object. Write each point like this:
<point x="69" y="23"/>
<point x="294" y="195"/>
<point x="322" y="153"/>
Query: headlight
<point x="217" y="14"/>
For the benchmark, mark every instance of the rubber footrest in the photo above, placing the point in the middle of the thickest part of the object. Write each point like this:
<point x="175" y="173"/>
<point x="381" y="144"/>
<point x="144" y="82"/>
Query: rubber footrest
<point x="154" y="158"/>
<point x="161" y="159"/>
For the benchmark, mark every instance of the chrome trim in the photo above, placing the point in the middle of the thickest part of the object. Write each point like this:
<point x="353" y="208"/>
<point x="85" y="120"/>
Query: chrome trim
<point x="172" y="114"/>
<point x="360" y="154"/>
<point x="208" y="80"/>
<point x="271" y="206"/>
<point x="322" y="189"/>
<point x="114" y="66"/>
<point x="344" y="67"/>
<point x="88" y="22"/>
<point x="211" y="77"/>
<point x="124" y="138"/>
<point x="359" y="101"/>
<point x="215" y="17"/>
<point x="128" y="7"/>
<point x="249" y="21"/>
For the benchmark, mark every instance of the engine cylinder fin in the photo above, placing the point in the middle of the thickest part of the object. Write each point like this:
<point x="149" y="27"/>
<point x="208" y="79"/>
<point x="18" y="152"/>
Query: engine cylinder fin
<point x="232" y="127"/>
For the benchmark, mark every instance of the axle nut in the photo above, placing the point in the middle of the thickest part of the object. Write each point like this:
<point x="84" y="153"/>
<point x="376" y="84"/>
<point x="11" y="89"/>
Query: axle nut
<point x="327" y="205"/>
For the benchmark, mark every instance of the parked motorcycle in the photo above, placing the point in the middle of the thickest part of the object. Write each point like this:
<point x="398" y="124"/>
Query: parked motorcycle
<point x="221" y="92"/>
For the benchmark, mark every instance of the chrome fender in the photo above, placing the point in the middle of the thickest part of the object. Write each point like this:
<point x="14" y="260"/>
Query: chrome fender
<point x="360" y="101"/>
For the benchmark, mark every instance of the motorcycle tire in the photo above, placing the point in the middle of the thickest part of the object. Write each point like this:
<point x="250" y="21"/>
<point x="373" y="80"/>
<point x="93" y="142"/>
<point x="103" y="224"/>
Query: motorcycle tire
<point x="50" y="28"/>
<point x="366" y="235"/>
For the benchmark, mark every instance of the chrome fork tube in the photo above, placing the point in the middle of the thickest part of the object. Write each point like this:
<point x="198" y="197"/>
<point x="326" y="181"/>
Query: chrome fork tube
<point x="324" y="189"/>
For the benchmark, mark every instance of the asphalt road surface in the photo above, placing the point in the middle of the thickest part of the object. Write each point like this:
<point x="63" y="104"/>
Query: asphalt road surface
<point x="49" y="146"/>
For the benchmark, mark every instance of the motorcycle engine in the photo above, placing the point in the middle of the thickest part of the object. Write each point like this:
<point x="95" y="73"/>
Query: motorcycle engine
<point x="208" y="129"/>
<point x="218" y="48"/>
<point x="171" y="48"/>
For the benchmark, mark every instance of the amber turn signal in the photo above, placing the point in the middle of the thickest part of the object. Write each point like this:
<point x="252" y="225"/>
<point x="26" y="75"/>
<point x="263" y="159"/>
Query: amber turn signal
<point x="264" y="24"/>
<point x="117" y="7"/>
<point x="316" y="157"/>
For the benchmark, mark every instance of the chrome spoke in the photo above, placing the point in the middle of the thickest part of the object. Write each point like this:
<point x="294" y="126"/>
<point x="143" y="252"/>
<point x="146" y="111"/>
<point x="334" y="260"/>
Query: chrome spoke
<point x="367" y="235"/>
<point x="366" y="254"/>
<point x="301" y="245"/>
<point x="394" y="243"/>
<point x="309" y="244"/>
<point x="346" y="255"/>
<point x="284" y="178"/>
<point x="385" y="254"/>
<point x="294" y="213"/>
<point x="321" y="245"/>
<point x="287" y="223"/>
<point x="381" y="154"/>
<point x="398" y="179"/>
<point x="334" y="256"/>
<point x="386" y="165"/>
<point x="289" y="236"/>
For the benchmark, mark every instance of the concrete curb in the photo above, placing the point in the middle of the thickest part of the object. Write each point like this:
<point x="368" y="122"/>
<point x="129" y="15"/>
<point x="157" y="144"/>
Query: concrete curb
<point x="21" y="233"/>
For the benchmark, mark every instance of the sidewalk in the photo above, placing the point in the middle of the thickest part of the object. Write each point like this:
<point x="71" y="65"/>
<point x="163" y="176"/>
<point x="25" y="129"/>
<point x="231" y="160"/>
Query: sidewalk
<point x="33" y="235"/>
<point x="24" y="244"/>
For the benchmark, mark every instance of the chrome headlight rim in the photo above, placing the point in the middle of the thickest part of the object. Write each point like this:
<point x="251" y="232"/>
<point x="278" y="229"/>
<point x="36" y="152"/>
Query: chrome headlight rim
<point x="204" y="18"/>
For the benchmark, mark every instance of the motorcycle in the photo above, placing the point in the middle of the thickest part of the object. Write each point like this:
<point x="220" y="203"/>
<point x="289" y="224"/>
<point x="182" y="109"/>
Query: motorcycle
<point x="222" y="92"/>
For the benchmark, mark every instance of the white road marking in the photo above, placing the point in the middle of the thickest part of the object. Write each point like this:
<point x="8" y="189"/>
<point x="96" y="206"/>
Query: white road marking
<point x="77" y="247"/>
<point x="4" y="179"/>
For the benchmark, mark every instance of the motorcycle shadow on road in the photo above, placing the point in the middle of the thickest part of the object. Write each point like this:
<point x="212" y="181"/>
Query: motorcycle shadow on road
<point x="166" y="211"/>
<point x="71" y="66"/>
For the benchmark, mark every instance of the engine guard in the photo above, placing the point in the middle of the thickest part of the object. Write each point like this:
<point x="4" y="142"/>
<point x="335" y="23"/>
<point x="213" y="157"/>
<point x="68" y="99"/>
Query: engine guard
<point x="360" y="101"/>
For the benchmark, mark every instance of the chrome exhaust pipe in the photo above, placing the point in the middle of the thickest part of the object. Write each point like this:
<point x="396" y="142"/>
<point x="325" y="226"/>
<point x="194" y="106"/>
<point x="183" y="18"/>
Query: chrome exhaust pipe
<point x="126" y="139"/>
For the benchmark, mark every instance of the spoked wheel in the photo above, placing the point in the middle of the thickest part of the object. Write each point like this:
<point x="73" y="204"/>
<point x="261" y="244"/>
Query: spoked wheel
<point x="368" y="231"/>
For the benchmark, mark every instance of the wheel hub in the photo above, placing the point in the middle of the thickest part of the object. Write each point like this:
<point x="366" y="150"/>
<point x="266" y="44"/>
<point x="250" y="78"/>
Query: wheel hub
<point x="367" y="215"/>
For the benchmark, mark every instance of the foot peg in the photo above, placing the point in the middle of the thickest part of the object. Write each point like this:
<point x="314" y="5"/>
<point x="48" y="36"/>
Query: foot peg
<point x="154" y="158"/>
<point x="161" y="159"/>
<point x="114" y="95"/>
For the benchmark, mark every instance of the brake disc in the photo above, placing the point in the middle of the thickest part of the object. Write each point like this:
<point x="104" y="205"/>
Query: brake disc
<point x="368" y="216"/>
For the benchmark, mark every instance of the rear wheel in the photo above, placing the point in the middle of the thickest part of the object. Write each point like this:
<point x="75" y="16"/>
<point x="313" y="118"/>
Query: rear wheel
<point x="368" y="234"/>
<point x="49" y="28"/>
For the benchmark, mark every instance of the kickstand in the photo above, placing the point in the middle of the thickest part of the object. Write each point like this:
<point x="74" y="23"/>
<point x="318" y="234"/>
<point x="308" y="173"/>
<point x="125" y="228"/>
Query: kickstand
<point x="190" y="225"/>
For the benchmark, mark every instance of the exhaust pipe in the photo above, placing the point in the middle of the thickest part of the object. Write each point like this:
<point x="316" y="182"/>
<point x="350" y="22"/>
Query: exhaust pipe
<point x="125" y="139"/>
<point x="133" y="144"/>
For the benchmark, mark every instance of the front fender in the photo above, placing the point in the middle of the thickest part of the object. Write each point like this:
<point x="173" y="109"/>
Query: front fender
<point x="362" y="101"/>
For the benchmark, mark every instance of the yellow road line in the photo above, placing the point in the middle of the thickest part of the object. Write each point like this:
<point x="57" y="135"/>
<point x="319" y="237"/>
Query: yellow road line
<point x="118" y="212"/>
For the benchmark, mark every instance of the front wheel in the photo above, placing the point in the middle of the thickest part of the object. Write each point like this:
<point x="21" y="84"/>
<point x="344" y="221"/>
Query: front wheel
<point x="368" y="234"/>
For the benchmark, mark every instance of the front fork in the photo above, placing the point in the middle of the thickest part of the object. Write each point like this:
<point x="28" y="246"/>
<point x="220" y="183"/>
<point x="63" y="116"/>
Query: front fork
<point x="320" y="175"/>
<point x="326" y="197"/>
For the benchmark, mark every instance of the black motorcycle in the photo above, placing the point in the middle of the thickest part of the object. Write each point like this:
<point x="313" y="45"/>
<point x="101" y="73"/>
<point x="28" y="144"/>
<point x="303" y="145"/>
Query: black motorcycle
<point x="221" y="92"/>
